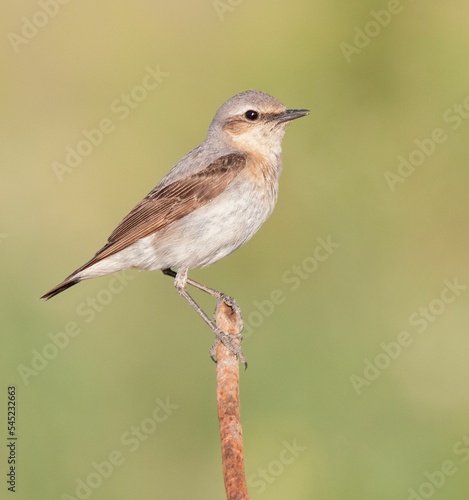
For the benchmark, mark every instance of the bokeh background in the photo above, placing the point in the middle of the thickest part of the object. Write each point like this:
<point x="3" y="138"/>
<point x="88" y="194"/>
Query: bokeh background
<point x="320" y="420"/>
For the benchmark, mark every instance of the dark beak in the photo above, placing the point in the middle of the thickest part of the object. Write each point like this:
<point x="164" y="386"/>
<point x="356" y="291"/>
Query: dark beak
<point x="291" y="114"/>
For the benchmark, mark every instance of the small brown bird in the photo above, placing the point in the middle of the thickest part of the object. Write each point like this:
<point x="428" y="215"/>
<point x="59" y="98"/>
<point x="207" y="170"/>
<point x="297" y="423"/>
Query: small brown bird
<point x="208" y="205"/>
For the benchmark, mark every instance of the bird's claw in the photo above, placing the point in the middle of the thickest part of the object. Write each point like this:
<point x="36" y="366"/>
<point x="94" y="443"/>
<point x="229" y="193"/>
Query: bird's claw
<point x="227" y="340"/>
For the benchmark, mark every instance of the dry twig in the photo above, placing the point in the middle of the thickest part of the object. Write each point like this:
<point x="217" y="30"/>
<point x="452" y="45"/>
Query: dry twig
<point x="228" y="319"/>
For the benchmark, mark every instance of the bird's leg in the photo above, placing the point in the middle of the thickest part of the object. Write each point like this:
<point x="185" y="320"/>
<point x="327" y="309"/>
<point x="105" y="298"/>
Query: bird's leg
<point x="180" y="281"/>
<point x="195" y="284"/>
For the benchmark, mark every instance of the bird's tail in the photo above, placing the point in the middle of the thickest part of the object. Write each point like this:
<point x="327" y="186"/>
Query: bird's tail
<point x="66" y="283"/>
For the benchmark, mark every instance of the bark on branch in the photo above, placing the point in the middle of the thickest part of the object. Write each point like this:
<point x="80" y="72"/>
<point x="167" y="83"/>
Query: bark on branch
<point x="228" y="319"/>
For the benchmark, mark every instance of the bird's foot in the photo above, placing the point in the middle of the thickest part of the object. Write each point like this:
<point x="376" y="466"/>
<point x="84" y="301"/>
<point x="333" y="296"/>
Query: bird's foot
<point x="232" y="343"/>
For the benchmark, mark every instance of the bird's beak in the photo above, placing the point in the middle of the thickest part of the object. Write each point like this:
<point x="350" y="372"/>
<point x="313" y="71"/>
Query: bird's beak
<point x="291" y="114"/>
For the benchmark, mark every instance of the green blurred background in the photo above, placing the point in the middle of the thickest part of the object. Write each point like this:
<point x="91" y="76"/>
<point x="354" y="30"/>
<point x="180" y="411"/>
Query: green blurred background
<point x="312" y="428"/>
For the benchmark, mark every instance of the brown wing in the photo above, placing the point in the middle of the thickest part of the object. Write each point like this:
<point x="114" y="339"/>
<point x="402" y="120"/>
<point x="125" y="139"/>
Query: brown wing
<point x="172" y="202"/>
<point x="162" y="207"/>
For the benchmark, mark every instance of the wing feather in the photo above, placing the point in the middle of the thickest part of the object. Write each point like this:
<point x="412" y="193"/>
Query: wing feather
<point x="172" y="202"/>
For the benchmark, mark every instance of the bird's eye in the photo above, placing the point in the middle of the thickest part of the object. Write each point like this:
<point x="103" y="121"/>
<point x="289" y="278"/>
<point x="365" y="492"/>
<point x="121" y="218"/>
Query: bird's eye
<point x="251" y="115"/>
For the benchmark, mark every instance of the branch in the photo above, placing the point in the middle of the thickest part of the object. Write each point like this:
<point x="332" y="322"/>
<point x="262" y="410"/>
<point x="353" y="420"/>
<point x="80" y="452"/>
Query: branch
<point x="228" y="319"/>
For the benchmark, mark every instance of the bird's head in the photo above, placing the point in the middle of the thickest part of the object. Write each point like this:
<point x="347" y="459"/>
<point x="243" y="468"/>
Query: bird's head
<point x="253" y="121"/>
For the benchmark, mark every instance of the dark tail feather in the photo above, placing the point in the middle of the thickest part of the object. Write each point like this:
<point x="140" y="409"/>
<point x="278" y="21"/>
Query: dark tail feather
<point x="60" y="288"/>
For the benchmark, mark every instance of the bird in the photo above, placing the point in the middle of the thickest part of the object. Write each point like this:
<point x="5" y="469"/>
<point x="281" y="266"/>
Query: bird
<point x="208" y="205"/>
